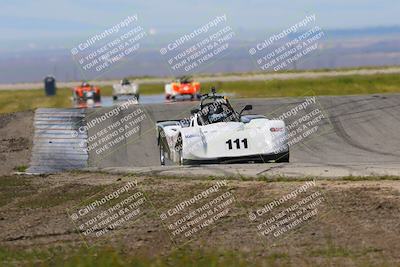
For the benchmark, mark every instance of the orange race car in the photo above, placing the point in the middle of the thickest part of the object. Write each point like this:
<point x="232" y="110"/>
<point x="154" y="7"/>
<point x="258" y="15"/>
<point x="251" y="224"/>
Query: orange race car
<point x="182" y="86"/>
<point x="86" y="93"/>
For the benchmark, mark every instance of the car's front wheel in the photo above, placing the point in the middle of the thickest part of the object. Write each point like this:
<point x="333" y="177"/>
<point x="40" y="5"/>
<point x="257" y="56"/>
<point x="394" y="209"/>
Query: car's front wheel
<point x="181" y="162"/>
<point x="179" y="152"/>
<point x="162" y="155"/>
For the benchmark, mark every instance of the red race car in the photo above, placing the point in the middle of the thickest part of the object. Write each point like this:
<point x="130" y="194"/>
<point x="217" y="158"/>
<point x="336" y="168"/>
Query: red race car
<point x="86" y="93"/>
<point x="182" y="86"/>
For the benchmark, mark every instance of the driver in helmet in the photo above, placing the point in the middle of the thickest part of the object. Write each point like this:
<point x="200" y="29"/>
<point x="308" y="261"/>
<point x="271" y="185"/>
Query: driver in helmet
<point x="125" y="82"/>
<point x="85" y="84"/>
<point x="216" y="114"/>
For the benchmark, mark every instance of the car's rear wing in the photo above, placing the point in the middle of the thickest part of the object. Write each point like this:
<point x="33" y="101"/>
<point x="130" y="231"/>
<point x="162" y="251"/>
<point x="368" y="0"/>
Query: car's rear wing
<point x="162" y="121"/>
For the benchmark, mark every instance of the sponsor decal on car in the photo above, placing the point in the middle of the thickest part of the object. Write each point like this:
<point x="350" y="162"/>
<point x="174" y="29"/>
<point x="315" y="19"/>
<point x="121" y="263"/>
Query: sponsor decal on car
<point x="192" y="135"/>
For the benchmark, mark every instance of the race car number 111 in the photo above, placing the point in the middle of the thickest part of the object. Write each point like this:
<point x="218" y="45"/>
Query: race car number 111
<point x="237" y="143"/>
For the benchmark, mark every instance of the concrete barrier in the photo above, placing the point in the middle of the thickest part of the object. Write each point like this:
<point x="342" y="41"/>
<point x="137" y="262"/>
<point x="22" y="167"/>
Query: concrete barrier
<point x="57" y="144"/>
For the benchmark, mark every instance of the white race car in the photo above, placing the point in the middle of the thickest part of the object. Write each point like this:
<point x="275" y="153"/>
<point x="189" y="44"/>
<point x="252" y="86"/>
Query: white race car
<point x="216" y="133"/>
<point x="125" y="87"/>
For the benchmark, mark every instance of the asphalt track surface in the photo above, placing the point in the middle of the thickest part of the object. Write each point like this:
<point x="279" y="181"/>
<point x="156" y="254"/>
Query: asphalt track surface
<point x="357" y="135"/>
<point x="107" y="101"/>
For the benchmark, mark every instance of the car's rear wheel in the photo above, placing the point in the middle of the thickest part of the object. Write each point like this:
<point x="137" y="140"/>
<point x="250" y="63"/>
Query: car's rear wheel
<point x="284" y="158"/>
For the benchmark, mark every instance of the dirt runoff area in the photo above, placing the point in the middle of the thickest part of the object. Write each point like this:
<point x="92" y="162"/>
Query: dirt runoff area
<point x="16" y="133"/>
<point x="289" y="221"/>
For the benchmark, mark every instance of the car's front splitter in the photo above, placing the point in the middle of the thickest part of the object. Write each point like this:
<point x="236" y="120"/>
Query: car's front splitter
<point x="258" y="158"/>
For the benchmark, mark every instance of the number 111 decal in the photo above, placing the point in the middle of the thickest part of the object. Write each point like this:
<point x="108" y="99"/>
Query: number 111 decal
<point x="237" y="143"/>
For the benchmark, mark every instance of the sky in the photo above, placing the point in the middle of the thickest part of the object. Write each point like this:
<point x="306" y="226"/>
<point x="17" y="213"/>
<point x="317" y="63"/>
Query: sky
<point x="36" y="23"/>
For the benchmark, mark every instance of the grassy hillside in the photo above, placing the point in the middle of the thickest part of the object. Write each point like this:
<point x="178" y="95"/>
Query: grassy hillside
<point x="12" y="101"/>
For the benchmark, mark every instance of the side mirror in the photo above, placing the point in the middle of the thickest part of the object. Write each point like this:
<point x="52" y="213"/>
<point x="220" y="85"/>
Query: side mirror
<point x="247" y="107"/>
<point x="194" y="111"/>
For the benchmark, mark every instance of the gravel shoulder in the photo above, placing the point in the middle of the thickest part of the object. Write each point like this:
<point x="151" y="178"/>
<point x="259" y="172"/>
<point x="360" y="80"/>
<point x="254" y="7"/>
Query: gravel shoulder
<point x="357" y="223"/>
<point x="16" y="131"/>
